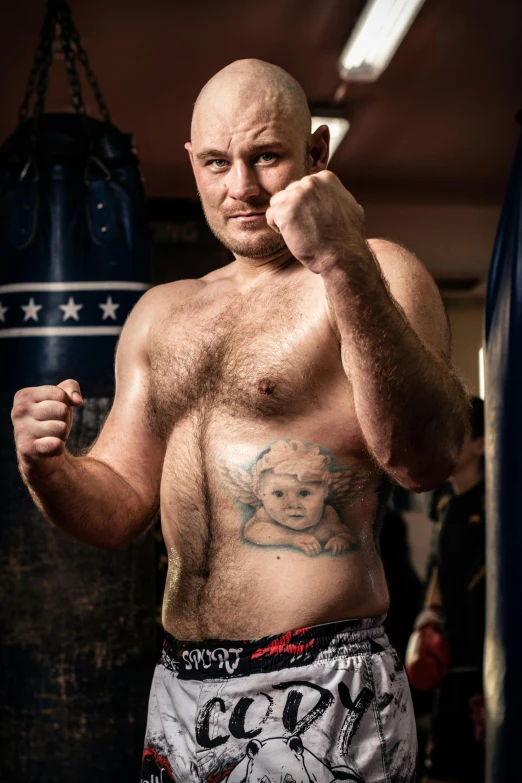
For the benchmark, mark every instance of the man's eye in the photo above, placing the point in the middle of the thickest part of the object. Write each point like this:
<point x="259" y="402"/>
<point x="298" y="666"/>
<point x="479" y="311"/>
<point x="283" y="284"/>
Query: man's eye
<point x="218" y="163"/>
<point x="267" y="157"/>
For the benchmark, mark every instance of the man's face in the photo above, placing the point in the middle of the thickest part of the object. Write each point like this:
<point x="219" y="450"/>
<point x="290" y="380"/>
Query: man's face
<point x="290" y="502"/>
<point x="242" y="156"/>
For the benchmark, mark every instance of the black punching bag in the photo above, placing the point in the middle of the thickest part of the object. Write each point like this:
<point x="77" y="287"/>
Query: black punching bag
<point x="503" y="672"/>
<point x="77" y="628"/>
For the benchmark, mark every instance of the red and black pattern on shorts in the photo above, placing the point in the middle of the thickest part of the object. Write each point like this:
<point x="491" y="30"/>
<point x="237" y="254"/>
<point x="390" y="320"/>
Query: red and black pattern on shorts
<point x="285" y="648"/>
<point x="239" y="658"/>
<point x="155" y="766"/>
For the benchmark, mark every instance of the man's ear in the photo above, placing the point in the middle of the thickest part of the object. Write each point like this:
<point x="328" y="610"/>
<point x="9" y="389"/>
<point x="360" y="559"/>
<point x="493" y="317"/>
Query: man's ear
<point x="188" y="147"/>
<point x="319" y="148"/>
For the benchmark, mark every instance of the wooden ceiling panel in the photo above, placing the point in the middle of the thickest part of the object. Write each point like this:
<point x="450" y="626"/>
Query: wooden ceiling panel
<point x="438" y="124"/>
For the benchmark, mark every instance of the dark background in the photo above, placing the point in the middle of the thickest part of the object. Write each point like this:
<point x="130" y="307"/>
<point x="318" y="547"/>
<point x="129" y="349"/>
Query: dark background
<point x="428" y="155"/>
<point x="430" y="144"/>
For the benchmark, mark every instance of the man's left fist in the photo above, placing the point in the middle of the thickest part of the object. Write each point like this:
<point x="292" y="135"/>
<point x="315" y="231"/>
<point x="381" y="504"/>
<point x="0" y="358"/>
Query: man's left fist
<point x="319" y="220"/>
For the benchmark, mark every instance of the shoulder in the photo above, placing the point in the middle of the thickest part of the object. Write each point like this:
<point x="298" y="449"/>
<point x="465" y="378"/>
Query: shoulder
<point x="164" y="297"/>
<point x="259" y="516"/>
<point x="149" y="310"/>
<point x="401" y="267"/>
<point x="329" y="513"/>
<point x="415" y="291"/>
<point x="159" y="299"/>
<point x="168" y="294"/>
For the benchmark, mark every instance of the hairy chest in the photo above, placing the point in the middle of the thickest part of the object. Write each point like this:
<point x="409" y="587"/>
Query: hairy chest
<point x="256" y="357"/>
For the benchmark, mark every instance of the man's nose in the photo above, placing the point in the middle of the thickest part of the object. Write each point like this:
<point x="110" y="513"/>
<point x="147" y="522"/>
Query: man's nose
<point x="243" y="183"/>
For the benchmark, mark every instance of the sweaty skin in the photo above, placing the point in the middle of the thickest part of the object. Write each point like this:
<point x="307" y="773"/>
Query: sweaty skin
<point x="262" y="407"/>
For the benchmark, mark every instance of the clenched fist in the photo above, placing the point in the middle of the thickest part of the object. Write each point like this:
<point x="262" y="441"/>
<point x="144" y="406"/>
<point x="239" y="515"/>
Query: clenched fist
<point x="319" y="220"/>
<point x="42" y="420"/>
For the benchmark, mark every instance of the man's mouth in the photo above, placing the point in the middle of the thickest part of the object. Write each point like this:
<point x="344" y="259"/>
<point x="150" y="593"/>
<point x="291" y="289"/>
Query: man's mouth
<point x="247" y="217"/>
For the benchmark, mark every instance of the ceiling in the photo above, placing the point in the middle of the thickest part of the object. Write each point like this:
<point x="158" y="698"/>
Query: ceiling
<point x="436" y="130"/>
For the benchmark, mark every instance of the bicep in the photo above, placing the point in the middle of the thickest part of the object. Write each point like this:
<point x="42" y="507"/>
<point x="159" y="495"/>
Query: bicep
<point x="126" y="442"/>
<point x="415" y="291"/>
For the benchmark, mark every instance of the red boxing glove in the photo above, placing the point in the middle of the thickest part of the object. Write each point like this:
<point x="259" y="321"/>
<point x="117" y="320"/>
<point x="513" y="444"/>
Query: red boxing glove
<point x="428" y="654"/>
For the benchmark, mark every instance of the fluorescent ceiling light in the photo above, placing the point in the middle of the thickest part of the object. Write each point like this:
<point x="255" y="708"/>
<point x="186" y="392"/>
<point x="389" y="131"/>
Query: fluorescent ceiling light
<point x="376" y="37"/>
<point x="338" y="130"/>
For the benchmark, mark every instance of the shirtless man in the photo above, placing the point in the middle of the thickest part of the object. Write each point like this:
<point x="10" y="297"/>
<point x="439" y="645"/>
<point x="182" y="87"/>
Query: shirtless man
<point x="275" y="666"/>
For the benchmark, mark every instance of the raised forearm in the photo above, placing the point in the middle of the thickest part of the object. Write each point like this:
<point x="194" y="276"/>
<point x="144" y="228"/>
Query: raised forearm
<point x="86" y="498"/>
<point x="409" y="403"/>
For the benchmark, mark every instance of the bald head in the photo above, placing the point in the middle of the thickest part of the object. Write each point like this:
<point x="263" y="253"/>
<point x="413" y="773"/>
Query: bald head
<point x="250" y="138"/>
<point x="252" y="85"/>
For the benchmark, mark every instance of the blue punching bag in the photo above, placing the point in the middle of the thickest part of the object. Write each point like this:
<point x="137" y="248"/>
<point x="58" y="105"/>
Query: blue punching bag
<point x="503" y="672"/>
<point x="77" y="628"/>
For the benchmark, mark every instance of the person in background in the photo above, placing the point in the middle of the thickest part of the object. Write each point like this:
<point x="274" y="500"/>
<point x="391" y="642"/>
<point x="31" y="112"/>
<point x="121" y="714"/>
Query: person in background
<point x="453" y="620"/>
<point x="404" y="585"/>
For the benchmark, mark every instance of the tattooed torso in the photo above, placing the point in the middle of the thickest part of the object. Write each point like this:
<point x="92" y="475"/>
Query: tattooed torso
<point x="270" y="503"/>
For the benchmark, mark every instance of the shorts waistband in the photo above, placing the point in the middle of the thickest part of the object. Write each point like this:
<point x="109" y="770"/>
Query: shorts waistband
<point x="222" y="658"/>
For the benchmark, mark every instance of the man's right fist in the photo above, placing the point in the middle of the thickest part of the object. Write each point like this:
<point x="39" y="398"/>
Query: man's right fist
<point x="42" y="420"/>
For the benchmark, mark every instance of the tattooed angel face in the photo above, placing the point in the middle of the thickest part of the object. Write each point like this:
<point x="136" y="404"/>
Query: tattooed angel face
<point x="293" y="489"/>
<point x="290" y="502"/>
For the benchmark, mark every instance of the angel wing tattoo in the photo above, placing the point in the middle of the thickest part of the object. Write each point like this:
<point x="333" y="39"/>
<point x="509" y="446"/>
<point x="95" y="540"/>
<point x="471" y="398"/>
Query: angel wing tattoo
<point x="295" y="498"/>
<point x="239" y="483"/>
<point x="347" y="485"/>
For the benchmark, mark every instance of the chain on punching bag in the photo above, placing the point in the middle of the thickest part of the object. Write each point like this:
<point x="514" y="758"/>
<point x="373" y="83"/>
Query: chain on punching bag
<point x="77" y="628"/>
<point x="503" y="674"/>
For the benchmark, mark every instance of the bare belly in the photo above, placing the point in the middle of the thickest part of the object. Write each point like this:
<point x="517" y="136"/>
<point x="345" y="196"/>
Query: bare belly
<point x="269" y="525"/>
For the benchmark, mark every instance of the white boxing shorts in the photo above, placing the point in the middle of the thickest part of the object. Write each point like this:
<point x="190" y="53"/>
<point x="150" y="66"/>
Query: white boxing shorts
<point x="319" y="704"/>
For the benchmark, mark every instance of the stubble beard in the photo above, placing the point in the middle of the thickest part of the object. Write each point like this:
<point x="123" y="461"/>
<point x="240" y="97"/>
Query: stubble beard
<point x="263" y="243"/>
<point x="257" y="243"/>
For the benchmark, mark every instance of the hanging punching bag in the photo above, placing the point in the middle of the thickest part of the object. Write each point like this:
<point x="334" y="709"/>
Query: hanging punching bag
<point x="503" y="673"/>
<point x="77" y="635"/>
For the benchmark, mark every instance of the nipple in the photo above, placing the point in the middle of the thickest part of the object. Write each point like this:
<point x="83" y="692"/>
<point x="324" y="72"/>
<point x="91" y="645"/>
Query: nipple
<point x="266" y="387"/>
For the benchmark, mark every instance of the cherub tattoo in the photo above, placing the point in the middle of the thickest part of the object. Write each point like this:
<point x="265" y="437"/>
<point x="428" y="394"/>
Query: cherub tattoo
<point x="294" y="490"/>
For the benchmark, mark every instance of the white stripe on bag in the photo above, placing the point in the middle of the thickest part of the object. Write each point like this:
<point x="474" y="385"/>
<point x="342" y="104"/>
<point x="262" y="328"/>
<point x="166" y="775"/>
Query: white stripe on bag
<point x="61" y="331"/>
<point x="102" y="285"/>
